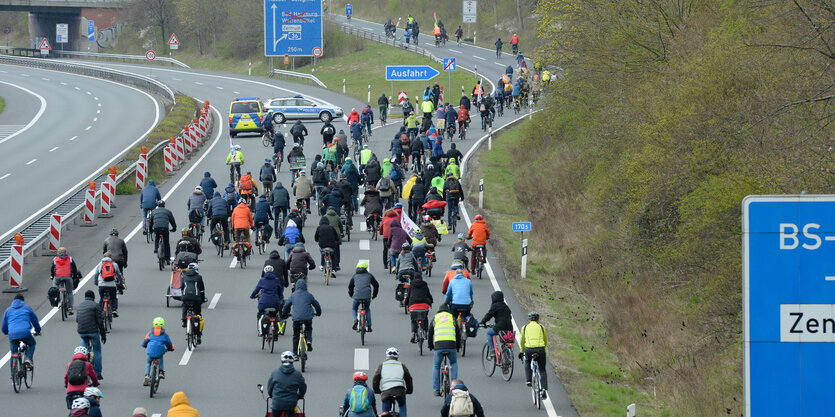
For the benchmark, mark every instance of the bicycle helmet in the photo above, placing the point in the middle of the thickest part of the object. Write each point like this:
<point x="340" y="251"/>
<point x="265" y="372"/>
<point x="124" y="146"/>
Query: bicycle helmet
<point x="193" y="266"/>
<point x="533" y="315"/>
<point x="426" y="218"/>
<point x="450" y="174"/>
<point x="286" y="357"/>
<point x="348" y="158"/>
<point x="406" y="245"/>
<point x="268" y="268"/>
<point x="365" y="146"/>
<point x="93" y="392"/>
<point x="159" y="322"/>
<point x="398" y="205"/>
<point x="267" y="160"/>
<point x="114" y="232"/>
<point x="295" y="146"/>
<point x="81" y="349"/>
<point x="479" y="217"/>
<point x="198" y="188"/>
<point x="392" y="353"/>
<point x="161" y="203"/>
<point x="460" y="236"/>
<point x="451" y="160"/>
<point x="360" y="376"/>
<point x="362" y="264"/>
<point x="237" y="147"/>
<point x="80" y="403"/>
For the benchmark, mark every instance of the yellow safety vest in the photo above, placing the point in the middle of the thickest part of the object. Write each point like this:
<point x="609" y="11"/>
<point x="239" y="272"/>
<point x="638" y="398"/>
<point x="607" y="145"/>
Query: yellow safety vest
<point x="365" y="156"/>
<point x="444" y="327"/>
<point x="533" y="336"/>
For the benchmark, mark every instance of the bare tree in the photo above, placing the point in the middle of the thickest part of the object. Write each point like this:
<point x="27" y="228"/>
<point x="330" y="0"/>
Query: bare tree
<point x="159" y="13"/>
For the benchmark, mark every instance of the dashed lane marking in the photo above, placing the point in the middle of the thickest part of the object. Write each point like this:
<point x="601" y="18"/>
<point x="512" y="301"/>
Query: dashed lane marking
<point x="215" y="299"/>
<point x="73" y="138"/>
<point x="53" y="149"/>
<point x="478" y="57"/>
<point x="365" y="244"/>
<point x="186" y="357"/>
<point x="4" y="176"/>
<point x="31" y="162"/>
<point x="360" y="359"/>
<point x="88" y="128"/>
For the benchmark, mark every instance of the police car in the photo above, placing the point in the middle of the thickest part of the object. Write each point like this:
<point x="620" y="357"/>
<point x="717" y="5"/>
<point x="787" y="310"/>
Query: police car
<point x="246" y="115"/>
<point x="298" y="107"/>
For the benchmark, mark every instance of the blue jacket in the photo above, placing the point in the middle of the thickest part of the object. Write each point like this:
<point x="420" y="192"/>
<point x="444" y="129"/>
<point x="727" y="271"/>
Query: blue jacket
<point x="451" y="116"/>
<point x="460" y="290"/>
<point x="262" y="210"/>
<point x="285" y="386"/>
<point x="334" y="199"/>
<point x="437" y="149"/>
<point x="396" y="146"/>
<point x="208" y="183"/>
<point x="303" y="304"/>
<point x="228" y="194"/>
<point x="291" y="234"/>
<point x="95" y="408"/>
<point x="356" y="130"/>
<point x="517" y="90"/>
<point x="271" y="291"/>
<point x="156" y="342"/>
<point x="149" y="196"/>
<point x="278" y="142"/>
<point x="218" y="207"/>
<point x="352" y="174"/>
<point x="367" y="117"/>
<point x="18" y="319"/>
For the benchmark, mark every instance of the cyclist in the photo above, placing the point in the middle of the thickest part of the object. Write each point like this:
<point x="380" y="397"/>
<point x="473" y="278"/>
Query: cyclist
<point x="279" y="267"/>
<point x="304" y="307"/>
<point x="486" y="108"/>
<point x="186" y="250"/>
<point x="65" y="272"/>
<point x="392" y="381"/>
<point x="330" y="155"/>
<point x="109" y="280"/>
<point x="397" y="237"/>
<point x="267" y="124"/>
<point x="478" y="92"/>
<point x="79" y="375"/>
<point x="367" y="118"/>
<point x="453" y="193"/>
<point x="328" y="238"/>
<point x="534" y="339"/>
<point x="285" y="386"/>
<point x="320" y="180"/>
<point x="419" y="302"/>
<point x="80" y="407"/>
<point x="480" y="234"/>
<point x="156" y="343"/>
<point x="458" y="34"/>
<point x="247" y="188"/>
<point x="161" y="219"/>
<point x="465" y="101"/>
<point x="242" y="222"/>
<point x="499" y="44"/>
<point x="267" y="175"/>
<point x="460" y="401"/>
<point x="235" y="159"/>
<point x="499" y="95"/>
<point x="408" y="108"/>
<point x="356" y="133"/>
<point x="383" y="105"/>
<point x="373" y="204"/>
<point x="363" y="288"/>
<point x="303" y="189"/>
<point x="94" y="396"/>
<point x="271" y="292"/>
<point x="454" y="153"/>
<point x="460" y="249"/>
<point x="500" y="312"/>
<point x="335" y="222"/>
<point x="262" y="218"/>
<point x="230" y="194"/>
<point x="365" y="157"/>
<point x="180" y="406"/>
<point x="353" y="117"/>
<point x="327" y="133"/>
<point x="299" y="131"/>
<point x="443" y="336"/>
<point x="193" y="296"/>
<point x="352" y="174"/>
<point x="516" y="91"/>
<point x="91" y="328"/>
<point x="452" y="168"/>
<point x="407" y="263"/>
<point x="419" y="247"/>
<point x="281" y="205"/>
<point x="429" y="231"/>
<point x="148" y="200"/>
<point x="299" y="260"/>
<point x="219" y="213"/>
<point x="463" y="117"/>
<point x="117" y="248"/>
<point x="279" y="143"/>
<point x="546" y="78"/>
<point x="514" y="42"/>
<point x="427" y="108"/>
<point x="450" y="117"/>
<point x="196" y="206"/>
<point x="208" y="184"/>
<point x="359" y="400"/>
<point x="295" y="155"/>
<point x="373" y="171"/>
<point x="456" y="268"/>
<point x="459" y="295"/>
<point x="18" y="321"/>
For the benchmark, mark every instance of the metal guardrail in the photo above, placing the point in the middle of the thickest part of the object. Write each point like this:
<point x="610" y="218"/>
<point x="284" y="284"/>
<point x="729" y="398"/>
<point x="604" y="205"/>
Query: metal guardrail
<point x="140" y="81"/>
<point x="310" y="77"/>
<point x="117" y="57"/>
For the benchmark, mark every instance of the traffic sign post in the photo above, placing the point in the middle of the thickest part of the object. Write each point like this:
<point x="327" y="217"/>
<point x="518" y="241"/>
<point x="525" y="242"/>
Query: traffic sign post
<point x="401" y="97"/>
<point x="410" y="73"/>
<point x="788" y="292"/>
<point x="481" y="193"/>
<point x="349" y="9"/>
<point x="523" y="227"/>
<point x="293" y="27"/>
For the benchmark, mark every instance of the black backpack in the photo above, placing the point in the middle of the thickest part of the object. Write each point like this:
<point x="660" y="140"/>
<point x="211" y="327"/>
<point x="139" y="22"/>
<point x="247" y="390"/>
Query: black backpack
<point x="77" y="372"/>
<point x="191" y="289"/>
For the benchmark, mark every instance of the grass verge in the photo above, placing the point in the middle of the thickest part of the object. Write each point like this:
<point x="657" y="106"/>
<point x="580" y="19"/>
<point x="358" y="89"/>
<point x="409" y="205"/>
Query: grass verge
<point x="2" y="105"/>
<point x="580" y="354"/>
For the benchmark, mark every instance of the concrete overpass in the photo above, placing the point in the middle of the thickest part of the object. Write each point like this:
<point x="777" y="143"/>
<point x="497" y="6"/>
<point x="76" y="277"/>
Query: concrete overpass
<point x="44" y="15"/>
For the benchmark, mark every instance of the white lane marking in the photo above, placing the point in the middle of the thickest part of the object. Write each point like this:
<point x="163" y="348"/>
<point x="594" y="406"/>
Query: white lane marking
<point x="73" y="138"/>
<point x="34" y="119"/>
<point x="215" y="299"/>
<point x="456" y="51"/>
<point x="63" y="83"/>
<point x="363" y="227"/>
<point x="478" y="57"/>
<point x="88" y="128"/>
<point x="4" y="176"/>
<point x="198" y="83"/>
<point x="219" y="87"/>
<point x="98" y="111"/>
<point x="156" y="415"/>
<point x="500" y="64"/>
<point x="185" y="358"/>
<point x="97" y="99"/>
<point x="53" y="149"/>
<point x="237" y="92"/>
<point x="176" y="79"/>
<point x="31" y="162"/>
<point x="234" y="262"/>
<point x="4" y="72"/>
<point x="98" y="104"/>
<point x="365" y="244"/>
<point x="24" y="75"/>
<point x="78" y="88"/>
<point x="95" y="119"/>
<point x="89" y="93"/>
<point x="45" y="79"/>
<point x="360" y="359"/>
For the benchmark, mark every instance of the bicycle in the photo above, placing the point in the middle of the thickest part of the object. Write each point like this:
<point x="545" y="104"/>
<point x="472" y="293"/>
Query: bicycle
<point x="155" y="376"/>
<point x="373" y="223"/>
<point x="405" y="280"/>
<point x="160" y="249"/>
<point x="450" y="132"/>
<point x="501" y="112"/>
<point x="277" y="160"/>
<point x="516" y="105"/>
<point x="107" y="312"/>
<point x="445" y="374"/>
<point x="195" y="230"/>
<point x="192" y="328"/>
<point x="259" y="240"/>
<point x="362" y="326"/>
<point x="502" y="357"/>
<point x="302" y="346"/>
<point x="219" y="239"/>
<point x="267" y="139"/>
<point x="356" y="152"/>
<point x="430" y="260"/>
<point x="479" y="259"/>
<point x="383" y="116"/>
<point x="64" y="304"/>
<point x="240" y="250"/>
<point x="301" y="205"/>
<point x="420" y="336"/>
<point x="462" y="330"/>
<point x="344" y="219"/>
<point x="453" y="215"/>
<point x="327" y="266"/>
<point x="271" y="327"/>
<point x="146" y="228"/>
<point x="22" y="374"/>
<point x="462" y="132"/>
<point x="536" y="382"/>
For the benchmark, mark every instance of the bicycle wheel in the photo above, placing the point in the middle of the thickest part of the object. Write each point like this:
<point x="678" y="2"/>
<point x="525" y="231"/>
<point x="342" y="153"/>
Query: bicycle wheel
<point x="161" y="258"/>
<point x="154" y="381"/>
<point x="108" y="318"/>
<point x="536" y="390"/>
<point x="28" y="377"/>
<point x="263" y="335"/>
<point x="362" y="332"/>
<point x="265" y="140"/>
<point x="327" y="270"/>
<point x="507" y="363"/>
<point x="302" y="352"/>
<point x="420" y="342"/>
<point x="16" y="377"/>
<point x="488" y="364"/>
<point x="189" y="335"/>
<point x="480" y="268"/>
<point x="445" y="369"/>
<point x="64" y="306"/>
<point x="463" y="347"/>
<point x="273" y="335"/>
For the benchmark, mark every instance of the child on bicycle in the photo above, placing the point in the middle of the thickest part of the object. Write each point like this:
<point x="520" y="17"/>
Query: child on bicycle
<point x="500" y="312"/>
<point x="156" y="343"/>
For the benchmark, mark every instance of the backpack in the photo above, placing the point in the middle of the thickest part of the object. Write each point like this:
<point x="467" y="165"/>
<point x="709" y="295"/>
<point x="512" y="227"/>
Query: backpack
<point x="385" y="184"/>
<point x="365" y="110"/>
<point x="472" y="326"/>
<point x="461" y="405"/>
<point x="107" y="272"/>
<point x="191" y="289"/>
<point x="359" y="399"/>
<point x="395" y="174"/>
<point x="329" y="130"/>
<point x="246" y="183"/>
<point x="54" y="296"/>
<point x="77" y="372"/>
<point x="482" y="107"/>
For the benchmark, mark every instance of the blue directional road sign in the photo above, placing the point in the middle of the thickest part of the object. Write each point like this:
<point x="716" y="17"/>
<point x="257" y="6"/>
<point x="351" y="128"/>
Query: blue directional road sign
<point x="521" y="226"/>
<point x="349" y="9"/>
<point x="410" y="73"/>
<point x="91" y="31"/>
<point x="292" y="27"/>
<point x="788" y="292"/>
<point x="449" y="64"/>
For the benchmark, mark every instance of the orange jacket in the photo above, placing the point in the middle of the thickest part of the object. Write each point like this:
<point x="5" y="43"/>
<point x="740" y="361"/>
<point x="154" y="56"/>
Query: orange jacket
<point x="436" y="31"/>
<point x="450" y="275"/>
<point x="479" y="233"/>
<point x="353" y="117"/>
<point x="463" y="114"/>
<point x="242" y="217"/>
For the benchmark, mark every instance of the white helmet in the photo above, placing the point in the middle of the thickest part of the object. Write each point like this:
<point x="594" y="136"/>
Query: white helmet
<point x="93" y="392"/>
<point x="81" y="349"/>
<point x="80" y="403"/>
<point x="198" y="188"/>
<point x="237" y="147"/>
<point x="268" y="268"/>
<point x="392" y="353"/>
<point x="286" y="357"/>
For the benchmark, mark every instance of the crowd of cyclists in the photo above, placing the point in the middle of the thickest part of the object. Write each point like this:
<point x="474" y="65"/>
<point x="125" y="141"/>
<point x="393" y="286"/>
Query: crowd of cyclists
<point x="346" y="176"/>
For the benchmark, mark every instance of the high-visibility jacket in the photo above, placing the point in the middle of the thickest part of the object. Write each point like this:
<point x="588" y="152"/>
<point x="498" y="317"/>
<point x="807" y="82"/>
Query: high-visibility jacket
<point x="365" y="156"/>
<point x="235" y="157"/>
<point x="478" y="90"/>
<point x="392" y="375"/>
<point x="436" y="31"/>
<point x="427" y="106"/>
<point x="533" y="336"/>
<point x="444" y="327"/>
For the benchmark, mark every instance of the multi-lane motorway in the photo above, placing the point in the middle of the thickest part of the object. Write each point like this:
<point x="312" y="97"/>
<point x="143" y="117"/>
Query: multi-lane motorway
<point x="220" y="376"/>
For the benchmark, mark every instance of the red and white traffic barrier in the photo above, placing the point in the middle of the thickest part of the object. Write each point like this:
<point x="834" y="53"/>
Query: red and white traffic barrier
<point x="54" y="233"/>
<point x="192" y="133"/>
<point x="16" y="270"/>
<point x="112" y="179"/>
<point x="169" y="160"/>
<point x="181" y="146"/>
<point x="143" y="155"/>
<point x="107" y="191"/>
<point x="141" y="170"/>
<point x="201" y="126"/>
<point x="189" y="144"/>
<point x="90" y="205"/>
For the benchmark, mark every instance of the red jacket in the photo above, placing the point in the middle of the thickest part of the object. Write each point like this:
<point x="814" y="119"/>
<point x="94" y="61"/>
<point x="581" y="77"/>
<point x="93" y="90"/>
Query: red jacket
<point x="91" y="375"/>
<point x="479" y="233"/>
<point x="353" y="117"/>
<point x="385" y="225"/>
<point x="63" y="266"/>
<point x="514" y="40"/>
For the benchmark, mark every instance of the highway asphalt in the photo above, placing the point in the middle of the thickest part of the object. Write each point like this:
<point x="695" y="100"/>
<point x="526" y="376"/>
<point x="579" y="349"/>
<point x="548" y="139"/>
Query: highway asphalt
<point x="220" y="376"/>
<point x="69" y="126"/>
